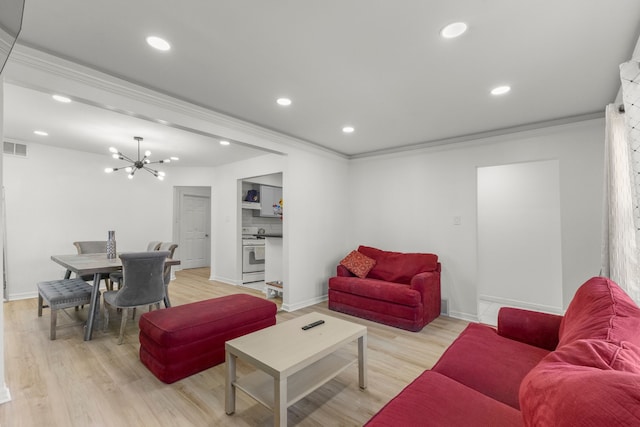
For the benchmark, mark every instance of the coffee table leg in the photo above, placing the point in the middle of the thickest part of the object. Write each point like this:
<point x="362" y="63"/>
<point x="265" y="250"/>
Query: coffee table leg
<point x="280" y="402"/>
<point x="362" y="361"/>
<point x="230" y="388"/>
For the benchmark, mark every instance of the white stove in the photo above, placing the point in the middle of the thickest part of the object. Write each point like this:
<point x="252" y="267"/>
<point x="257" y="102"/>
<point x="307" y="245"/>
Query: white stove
<point x="249" y="237"/>
<point x="253" y="255"/>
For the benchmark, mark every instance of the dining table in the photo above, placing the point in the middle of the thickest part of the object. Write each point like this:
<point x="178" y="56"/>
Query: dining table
<point x="96" y="264"/>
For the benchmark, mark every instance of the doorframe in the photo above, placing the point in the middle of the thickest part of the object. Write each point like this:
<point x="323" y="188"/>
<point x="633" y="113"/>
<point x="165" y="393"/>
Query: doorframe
<point x="179" y="192"/>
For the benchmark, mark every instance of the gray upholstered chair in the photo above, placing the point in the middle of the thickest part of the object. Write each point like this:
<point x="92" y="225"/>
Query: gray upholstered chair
<point x="94" y="247"/>
<point x="171" y="248"/>
<point x="142" y="284"/>
<point x="116" y="277"/>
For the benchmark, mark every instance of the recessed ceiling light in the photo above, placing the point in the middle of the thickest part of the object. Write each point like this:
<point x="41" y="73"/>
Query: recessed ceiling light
<point x="223" y="142"/>
<point x="500" y="90"/>
<point x="61" y="98"/>
<point x="453" y="30"/>
<point x="40" y="132"/>
<point x="284" y="102"/>
<point x="158" y="43"/>
<point x="348" y="129"/>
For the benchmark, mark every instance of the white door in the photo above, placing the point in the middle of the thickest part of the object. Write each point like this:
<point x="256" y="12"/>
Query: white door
<point x="195" y="219"/>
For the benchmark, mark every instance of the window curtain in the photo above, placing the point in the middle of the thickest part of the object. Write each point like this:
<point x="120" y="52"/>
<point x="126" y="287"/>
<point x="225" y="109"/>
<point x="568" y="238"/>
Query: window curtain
<point x="621" y="215"/>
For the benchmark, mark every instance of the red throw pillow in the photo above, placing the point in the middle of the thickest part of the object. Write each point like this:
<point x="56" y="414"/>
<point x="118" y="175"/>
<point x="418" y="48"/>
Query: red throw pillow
<point x="358" y="264"/>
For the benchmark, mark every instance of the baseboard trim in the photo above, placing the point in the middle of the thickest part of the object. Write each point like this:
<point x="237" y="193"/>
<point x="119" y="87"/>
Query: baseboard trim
<point x="303" y="304"/>
<point x="464" y="316"/>
<point x="226" y="280"/>
<point x="23" y="295"/>
<point x="521" y="304"/>
<point x="5" y="395"/>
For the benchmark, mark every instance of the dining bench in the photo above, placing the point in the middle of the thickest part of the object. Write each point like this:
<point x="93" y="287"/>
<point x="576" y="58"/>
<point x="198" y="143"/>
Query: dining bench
<point x="61" y="294"/>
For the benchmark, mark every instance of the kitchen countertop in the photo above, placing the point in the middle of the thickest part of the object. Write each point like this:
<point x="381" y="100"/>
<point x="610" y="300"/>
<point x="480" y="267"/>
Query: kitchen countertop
<point x="268" y="235"/>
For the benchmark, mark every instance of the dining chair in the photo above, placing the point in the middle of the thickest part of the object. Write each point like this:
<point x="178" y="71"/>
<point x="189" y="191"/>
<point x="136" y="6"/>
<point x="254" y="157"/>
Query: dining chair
<point x="94" y="247"/>
<point x="171" y="248"/>
<point x="142" y="285"/>
<point x="116" y="277"/>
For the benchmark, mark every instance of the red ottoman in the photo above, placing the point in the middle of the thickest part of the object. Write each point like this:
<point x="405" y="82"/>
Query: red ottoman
<point x="180" y="341"/>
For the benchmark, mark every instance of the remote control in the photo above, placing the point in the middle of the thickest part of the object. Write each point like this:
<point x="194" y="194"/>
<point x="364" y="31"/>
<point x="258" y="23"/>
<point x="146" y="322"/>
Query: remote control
<point x="313" y="325"/>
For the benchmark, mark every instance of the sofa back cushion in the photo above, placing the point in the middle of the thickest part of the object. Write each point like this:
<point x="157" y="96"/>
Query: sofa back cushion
<point x="398" y="267"/>
<point x="600" y="309"/>
<point x="584" y="383"/>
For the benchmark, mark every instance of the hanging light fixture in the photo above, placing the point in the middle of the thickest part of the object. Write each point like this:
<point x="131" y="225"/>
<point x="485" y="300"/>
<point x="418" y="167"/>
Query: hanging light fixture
<point x="140" y="163"/>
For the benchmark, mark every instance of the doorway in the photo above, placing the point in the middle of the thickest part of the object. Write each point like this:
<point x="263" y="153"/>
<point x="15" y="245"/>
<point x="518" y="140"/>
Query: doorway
<point x="192" y="231"/>
<point x="519" y="238"/>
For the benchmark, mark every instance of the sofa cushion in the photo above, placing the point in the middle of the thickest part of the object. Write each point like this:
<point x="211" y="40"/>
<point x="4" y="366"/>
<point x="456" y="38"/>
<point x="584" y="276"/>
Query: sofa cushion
<point x="398" y="267"/>
<point x="358" y="263"/>
<point x="377" y="290"/>
<point x="585" y="383"/>
<point x="493" y="365"/>
<point x="600" y="309"/>
<point x="435" y="400"/>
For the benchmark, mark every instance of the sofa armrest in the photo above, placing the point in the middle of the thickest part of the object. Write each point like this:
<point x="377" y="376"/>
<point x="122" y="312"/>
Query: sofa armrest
<point x="530" y="327"/>
<point x="428" y="284"/>
<point x="341" y="270"/>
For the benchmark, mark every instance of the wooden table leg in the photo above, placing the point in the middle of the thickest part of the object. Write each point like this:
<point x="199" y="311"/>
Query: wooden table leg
<point x="362" y="361"/>
<point x="230" y="388"/>
<point x="280" y="402"/>
<point x="93" y="308"/>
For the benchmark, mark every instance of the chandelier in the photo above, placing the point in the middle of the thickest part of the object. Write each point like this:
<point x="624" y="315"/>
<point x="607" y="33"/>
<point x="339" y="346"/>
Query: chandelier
<point x="140" y="163"/>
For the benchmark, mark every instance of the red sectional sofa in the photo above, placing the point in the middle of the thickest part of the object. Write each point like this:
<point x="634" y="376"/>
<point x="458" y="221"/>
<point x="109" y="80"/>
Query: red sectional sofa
<point x="535" y="369"/>
<point x="400" y="289"/>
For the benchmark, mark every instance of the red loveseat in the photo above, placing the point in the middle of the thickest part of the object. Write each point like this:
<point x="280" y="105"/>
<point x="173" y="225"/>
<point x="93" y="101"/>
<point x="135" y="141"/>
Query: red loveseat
<point x="400" y="290"/>
<point x="536" y="369"/>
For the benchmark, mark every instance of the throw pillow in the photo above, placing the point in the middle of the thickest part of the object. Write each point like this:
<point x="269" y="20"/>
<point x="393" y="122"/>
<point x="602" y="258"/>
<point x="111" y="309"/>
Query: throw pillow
<point x="358" y="264"/>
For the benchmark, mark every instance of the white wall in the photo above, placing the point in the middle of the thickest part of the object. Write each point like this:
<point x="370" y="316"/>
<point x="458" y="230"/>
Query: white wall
<point x="407" y="202"/>
<point x="314" y="224"/>
<point x="519" y="231"/>
<point x="5" y="395"/>
<point x="56" y="196"/>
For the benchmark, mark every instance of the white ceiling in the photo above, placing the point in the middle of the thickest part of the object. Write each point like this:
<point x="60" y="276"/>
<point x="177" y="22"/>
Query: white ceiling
<point x="379" y="66"/>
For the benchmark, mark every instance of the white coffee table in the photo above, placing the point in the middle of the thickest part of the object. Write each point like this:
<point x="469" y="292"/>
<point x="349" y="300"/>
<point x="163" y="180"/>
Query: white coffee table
<point x="293" y="362"/>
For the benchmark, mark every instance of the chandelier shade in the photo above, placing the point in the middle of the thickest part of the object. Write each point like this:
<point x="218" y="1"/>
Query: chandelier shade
<point x="140" y="163"/>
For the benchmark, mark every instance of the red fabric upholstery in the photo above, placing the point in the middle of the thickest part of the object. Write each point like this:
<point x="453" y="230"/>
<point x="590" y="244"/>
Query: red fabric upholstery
<point x="591" y="378"/>
<point x="377" y="290"/>
<point x="488" y="363"/>
<point x="585" y="383"/>
<point x="409" y="301"/>
<point x="179" y="341"/>
<point x="600" y="309"/>
<point x="434" y="400"/>
<point x="398" y="267"/>
<point x="529" y="327"/>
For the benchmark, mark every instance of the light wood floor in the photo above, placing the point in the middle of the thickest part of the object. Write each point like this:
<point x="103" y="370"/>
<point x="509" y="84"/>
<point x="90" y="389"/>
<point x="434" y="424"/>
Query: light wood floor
<point x="70" y="382"/>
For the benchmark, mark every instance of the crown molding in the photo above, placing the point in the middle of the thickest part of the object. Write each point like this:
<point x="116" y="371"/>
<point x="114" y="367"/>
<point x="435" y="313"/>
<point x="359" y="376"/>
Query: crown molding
<point x="80" y="74"/>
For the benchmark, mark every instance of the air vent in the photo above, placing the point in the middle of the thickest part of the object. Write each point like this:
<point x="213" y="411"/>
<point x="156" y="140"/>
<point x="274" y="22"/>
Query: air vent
<point x="15" y="149"/>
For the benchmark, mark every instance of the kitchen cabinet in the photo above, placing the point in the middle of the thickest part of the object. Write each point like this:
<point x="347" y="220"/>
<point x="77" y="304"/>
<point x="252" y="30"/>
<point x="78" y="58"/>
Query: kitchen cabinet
<point x="269" y="196"/>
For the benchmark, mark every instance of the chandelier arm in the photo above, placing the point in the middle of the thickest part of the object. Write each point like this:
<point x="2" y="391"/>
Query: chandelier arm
<point x="151" y="171"/>
<point x="123" y="157"/>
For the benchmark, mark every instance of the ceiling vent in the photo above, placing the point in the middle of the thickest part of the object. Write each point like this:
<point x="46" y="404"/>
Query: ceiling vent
<point x="15" y="149"/>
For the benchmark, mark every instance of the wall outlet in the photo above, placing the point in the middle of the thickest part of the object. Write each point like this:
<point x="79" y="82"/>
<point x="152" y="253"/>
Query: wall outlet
<point x="457" y="220"/>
